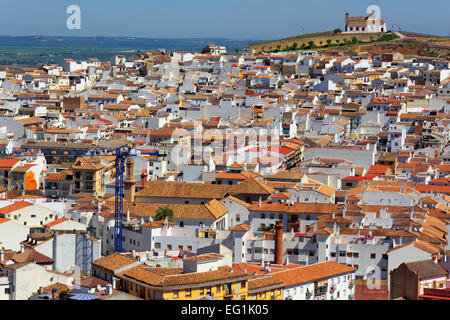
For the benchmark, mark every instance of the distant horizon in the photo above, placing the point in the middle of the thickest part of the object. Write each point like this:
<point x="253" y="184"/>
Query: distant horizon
<point x="135" y="37"/>
<point x="193" y="38"/>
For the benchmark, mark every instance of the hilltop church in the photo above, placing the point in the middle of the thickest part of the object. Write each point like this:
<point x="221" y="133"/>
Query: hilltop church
<point x="367" y="24"/>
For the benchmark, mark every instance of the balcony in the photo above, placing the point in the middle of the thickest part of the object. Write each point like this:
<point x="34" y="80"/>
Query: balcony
<point x="229" y="292"/>
<point x="320" y="290"/>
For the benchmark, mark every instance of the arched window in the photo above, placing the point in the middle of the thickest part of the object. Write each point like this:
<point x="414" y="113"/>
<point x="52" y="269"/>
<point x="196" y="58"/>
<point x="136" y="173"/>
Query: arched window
<point x="263" y="216"/>
<point x="308" y="217"/>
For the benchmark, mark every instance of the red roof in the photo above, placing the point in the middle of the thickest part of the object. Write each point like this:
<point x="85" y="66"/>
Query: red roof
<point x="444" y="167"/>
<point x="56" y="176"/>
<point x="424" y="188"/>
<point x="4" y="220"/>
<point x="54" y="223"/>
<point x="8" y="163"/>
<point x="359" y="178"/>
<point x="14" y="207"/>
<point x="378" y="169"/>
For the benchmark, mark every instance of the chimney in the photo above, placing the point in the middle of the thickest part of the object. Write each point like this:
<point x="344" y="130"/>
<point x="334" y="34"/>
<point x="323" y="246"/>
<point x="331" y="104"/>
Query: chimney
<point x="54" y="294"/>
<point x="108" y="290"/>
<point x="144" y="178"/>
<point x="279" y="242"/>
<point x="267" y="268"/>
<point x="22" y="248"/>
<point x="128" y="214"/>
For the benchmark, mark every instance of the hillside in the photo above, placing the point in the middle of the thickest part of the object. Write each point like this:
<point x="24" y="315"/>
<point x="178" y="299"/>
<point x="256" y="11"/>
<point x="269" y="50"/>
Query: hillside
<point x="327" y="39"/>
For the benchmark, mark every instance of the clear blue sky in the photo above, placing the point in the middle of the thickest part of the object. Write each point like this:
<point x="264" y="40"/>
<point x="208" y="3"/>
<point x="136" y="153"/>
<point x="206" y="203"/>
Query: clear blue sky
<point x="234" y="19"/>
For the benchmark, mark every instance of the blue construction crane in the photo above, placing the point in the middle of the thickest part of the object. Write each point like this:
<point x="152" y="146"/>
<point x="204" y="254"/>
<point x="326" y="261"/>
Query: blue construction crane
<point x="120" y="150"/>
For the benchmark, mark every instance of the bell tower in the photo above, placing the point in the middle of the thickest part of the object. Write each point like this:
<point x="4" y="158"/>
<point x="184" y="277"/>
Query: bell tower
<point x="129" y="183"/>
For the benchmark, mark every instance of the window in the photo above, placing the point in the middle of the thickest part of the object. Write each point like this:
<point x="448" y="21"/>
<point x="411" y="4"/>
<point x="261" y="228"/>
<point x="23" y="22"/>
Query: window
<point x="355" y="254"/>
<point x="308" y="217"/>
<point x="238" y="217"/>
<point x="202" y="290"/>
<point x="188" y="293"/>
<point x="169" y="247"/>
<point x="242" y="284"/>
<point x="189" y="248"/>
<point x="157" y="245"/>
<point x="208" y="290"/>
<point x="180" y="247"/>
<point x="372" y="256"/>
<point x="333" y="254"/>
<point x="181" y="224"/>
<point x="218" y="289"/>
<point x="263" y="216"/>
<point x="272" y="216"/>
<point x="280" y="216"/>
<point x="175" y="294"/>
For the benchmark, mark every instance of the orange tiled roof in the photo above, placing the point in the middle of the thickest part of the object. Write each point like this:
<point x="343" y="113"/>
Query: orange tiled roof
<point x="14" y="207"/>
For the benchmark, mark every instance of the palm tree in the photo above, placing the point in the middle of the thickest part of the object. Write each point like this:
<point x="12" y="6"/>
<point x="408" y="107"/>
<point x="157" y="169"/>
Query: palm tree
<point x="162" y="213"/>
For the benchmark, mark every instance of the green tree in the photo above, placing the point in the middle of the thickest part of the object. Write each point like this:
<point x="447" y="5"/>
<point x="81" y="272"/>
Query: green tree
<point x="237" y="50"/>
<point x="321" y="42"/>
<point x="337" y="30"/>
<point x="303" y="46"/>
<point x="354" y="40"/>
<point x="163" y="212"/>
<point x="329" y="41"/>
<point x="279" y="46"/>
<point x="63" y="295"/>
<point x="263" y="227"/>
<point x="345" y="40"/>
<point x="337" y="41"/>
<point x="310" y="43"/>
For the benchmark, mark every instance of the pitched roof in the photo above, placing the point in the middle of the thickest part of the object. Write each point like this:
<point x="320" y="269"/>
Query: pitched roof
<point x="296" y="274"/>
<point x="172" y="189"/>
<point x="113" y="261"/>
<point x="426" y="269"/>
<point x="8" y="163"/>
<point x="54" y="223"/>
<point x="212" y="210"/>
<point x="196" y="279"/>
<point x="14" y="207"/>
